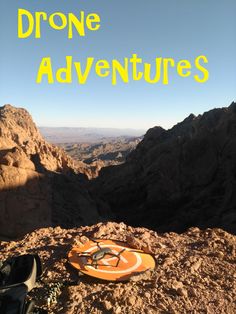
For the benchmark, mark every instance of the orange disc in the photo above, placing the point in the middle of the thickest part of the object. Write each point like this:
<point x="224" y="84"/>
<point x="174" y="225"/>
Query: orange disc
<point x="118" y="263"/>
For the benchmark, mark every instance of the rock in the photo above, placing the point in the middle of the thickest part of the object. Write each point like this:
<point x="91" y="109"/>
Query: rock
<point x="131" y="300"/>
<point x="177" y="178"/>
<point x="173" y="180"/>
<point x="177" y="285"/>
<point x="105" y="152"/>
<point x="168" y="261"/>
<point x="220" y="254"/>
<point x="117" y="310"/>
<point x="196" y="265"/>
<point x="107" y="305"/>
<point x="22" y="144"/>
<point x="39" y="183"/>
<point x="147" y="275"/>
<point x="183" y="292"/>
<point x="192" y="292"/>
<point x="147" y="295"/>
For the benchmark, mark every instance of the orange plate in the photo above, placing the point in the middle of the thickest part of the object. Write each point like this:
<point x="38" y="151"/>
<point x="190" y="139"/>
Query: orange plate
<point x="131" y="263"/>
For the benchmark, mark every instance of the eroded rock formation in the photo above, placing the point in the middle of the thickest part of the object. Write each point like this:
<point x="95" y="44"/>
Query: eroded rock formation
<point x="174" y="179"/>
<point x="177" y="178"/>
<point x="39" y="184"/>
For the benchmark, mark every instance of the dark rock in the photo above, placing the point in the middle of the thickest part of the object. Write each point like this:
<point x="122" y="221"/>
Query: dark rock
<point x="178" y="178"/>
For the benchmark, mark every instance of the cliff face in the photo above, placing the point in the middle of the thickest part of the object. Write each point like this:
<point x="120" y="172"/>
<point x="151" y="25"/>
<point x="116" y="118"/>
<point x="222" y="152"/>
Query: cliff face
<point x="39" y="184"/>
<point x="176" y="178"/>
<point x="195" y="271"/>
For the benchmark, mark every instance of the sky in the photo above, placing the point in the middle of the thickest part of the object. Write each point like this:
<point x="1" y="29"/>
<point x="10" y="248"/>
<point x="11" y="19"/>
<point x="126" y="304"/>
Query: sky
<point x="178" y="29"/>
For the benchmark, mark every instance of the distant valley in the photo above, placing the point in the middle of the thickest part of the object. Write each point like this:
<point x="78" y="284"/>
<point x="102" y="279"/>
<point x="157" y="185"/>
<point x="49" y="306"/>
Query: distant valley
<point x="104" y="153"/>
<point x="96" y="147"/>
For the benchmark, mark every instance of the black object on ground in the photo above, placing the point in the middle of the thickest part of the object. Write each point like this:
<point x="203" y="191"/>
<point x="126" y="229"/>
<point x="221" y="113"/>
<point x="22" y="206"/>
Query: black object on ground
<point x="18" y="276"/>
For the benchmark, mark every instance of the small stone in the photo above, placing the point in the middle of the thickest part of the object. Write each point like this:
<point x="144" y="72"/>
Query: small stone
<point x="147" y="295"/>
<point x="220" y="254"/>
<point x="107" y="305"/>
<point x="177" y="285"/>
<point x="196" y="265"/>
<point x="138" y="302"/>
<point x="117" y="293"/>
<point x="193" y="230"/>
<point x="168" y="261"/>
<point x="117" y="310"/>
<point x="131" y="300"/>
<point x="192" y="292"/>
<point x="182" y="292"/>
<point x="160" y="245"/>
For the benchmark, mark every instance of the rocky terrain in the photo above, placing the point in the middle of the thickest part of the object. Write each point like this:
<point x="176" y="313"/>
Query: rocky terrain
<point x="177" y="178"/>
<point x="39" y="183"/>
<point x="174" y="179"/>
<point x="195" y="271"/>
<point x="103" y="153"/>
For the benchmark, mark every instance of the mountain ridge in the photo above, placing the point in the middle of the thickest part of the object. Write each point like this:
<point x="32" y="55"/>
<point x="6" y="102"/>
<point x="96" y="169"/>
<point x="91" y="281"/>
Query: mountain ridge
<point x="174" y="179"/>
<point x="179" y="177"/>
<point x="86" y="135"/>
<point x="39" y="183"/>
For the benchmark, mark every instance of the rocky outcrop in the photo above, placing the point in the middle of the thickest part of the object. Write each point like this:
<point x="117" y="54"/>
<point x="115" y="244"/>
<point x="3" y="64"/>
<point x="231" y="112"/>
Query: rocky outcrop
<point x="21" y="140"/>
<point x="177" y="178"/>
<point x="39" y="184"/>
<point x="107" y="152"/>
<point x="195" y="271"/>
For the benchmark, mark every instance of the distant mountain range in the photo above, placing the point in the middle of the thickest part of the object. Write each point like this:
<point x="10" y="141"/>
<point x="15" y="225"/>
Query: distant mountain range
<point x="104" y="153"/>
<point x="86" y="135"/>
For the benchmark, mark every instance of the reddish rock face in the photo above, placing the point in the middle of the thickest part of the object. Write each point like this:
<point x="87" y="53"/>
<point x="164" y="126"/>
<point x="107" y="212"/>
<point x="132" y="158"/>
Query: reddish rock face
<point x="39" y="184"/>
<point x="21" y="142"/>
<point x="178" y="178"/>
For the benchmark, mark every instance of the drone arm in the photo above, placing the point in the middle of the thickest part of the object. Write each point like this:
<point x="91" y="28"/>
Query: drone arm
<point x="121" y="252"/>
<point x="95" y="241"/>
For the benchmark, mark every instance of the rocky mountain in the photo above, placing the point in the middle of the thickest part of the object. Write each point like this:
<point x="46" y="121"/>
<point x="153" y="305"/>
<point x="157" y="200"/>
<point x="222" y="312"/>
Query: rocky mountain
<point x="40" y="185"/>
<point x="177" y="178"/>
<point x="23" y="146"/>
<point x="174" y="179"/>
<point x="104" y="153"/>
<point x="195" y="271"/>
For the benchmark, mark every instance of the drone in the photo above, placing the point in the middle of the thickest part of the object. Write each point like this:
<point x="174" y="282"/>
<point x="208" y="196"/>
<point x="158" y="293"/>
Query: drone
<point x="99" y="254"/>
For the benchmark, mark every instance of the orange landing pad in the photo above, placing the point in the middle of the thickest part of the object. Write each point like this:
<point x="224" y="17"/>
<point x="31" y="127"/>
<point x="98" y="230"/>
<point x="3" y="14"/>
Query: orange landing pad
<point x="115" y="266"/>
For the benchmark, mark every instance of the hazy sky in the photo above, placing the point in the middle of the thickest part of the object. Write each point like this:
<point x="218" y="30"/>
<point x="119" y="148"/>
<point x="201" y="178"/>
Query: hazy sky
<point x="181" y="29"/>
